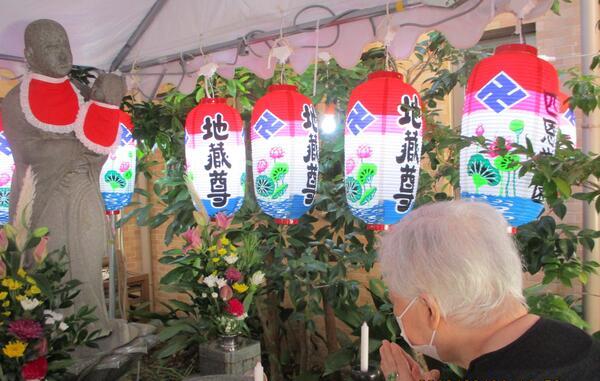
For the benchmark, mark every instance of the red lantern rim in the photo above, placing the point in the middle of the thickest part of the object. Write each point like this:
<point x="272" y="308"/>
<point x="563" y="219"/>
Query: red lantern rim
<point x="282" y="88"/>
<point x="377" y="227"/>
<point x="212" y="100"/>
<point x="512" y="48"/>
<point x="385" y="74"/>
<point x="286" y="221"/>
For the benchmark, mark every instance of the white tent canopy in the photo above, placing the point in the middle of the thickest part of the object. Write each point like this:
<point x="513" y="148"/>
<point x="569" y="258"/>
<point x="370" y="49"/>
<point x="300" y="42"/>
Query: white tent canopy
<point x="177" y="37"/>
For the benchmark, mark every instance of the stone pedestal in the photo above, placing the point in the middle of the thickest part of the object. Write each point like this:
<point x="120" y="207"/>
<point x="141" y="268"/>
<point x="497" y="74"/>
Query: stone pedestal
<point x="214" y="360"/>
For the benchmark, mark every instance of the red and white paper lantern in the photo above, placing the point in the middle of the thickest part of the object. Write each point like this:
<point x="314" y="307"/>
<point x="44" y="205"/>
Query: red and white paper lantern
<point x="285" y="153"/>
<point x="383" y="138"/>
<point x="510" y="95"/>
<point x="215" y="155"/>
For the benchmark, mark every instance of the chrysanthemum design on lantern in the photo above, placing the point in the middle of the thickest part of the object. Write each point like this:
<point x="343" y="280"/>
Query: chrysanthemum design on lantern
<point x="117" y="178"/>
<point x="359" y="188"/>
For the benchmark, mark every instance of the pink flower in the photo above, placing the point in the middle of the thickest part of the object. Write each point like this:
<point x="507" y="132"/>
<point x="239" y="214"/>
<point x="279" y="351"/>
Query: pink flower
<point x="192" y="237"/>
<point x="350" y="165"/>
<point x="226" y="293"/>
<point x="26" y="329"/>
<point x="41" y="250"/>
<point x="494" y="150"/>
<point x="124" y="166"/>
<point x="480" y="130"/>
<point x="364" y="151"/>
<point x="42" y="347"/>
<point x="223" y="221"/>
<point x="277" y="153"/>
<point x="233" y="274"/>
<point x="3" y="240"/>
<point x="235" y="307"/>
<point x="262" y="165"/>
<point x="4" y="178"/>
<point x="35" y="370"/>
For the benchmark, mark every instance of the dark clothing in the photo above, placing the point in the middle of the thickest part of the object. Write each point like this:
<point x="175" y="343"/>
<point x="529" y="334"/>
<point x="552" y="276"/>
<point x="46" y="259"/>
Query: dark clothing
<point x="549" y="350"/>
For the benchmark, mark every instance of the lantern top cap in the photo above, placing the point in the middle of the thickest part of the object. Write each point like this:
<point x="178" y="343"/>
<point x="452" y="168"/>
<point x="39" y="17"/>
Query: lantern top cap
<point x="212" y="100"/>
<point x="385" y="74"/>
<point x="513" y="48"/>
<point x="282" y="88"/>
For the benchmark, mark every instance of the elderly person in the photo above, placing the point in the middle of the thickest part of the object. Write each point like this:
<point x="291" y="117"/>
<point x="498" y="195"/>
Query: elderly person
<point x="455" y="279"/>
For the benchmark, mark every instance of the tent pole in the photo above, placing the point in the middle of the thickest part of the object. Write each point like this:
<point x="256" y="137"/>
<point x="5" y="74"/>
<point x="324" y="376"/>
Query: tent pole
<point x="590" y="46"/>
<point x="137" y="34"/>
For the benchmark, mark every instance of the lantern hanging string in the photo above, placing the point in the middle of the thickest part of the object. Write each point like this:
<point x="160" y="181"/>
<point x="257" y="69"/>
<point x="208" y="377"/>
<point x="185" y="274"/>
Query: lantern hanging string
<point x="316" y="58"/>
<point x="208" y="87"/>
<point x="282" y="73"/>
<point x="387" y="33"/>
<point x="519" y="30"/>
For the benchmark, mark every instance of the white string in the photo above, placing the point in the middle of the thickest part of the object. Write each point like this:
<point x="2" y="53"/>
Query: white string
<point x="316" y="59"/>
<point x="208" y="87"/>
<point x="388" y="22"/>
<point x="519" y="30"/>
<point x="281" y="74"/>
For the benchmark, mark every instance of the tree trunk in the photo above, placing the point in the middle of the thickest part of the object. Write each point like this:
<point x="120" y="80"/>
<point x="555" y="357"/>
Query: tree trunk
<point x="269" y="319"/>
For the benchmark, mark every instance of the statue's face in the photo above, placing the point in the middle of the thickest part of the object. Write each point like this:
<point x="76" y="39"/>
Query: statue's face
<point x="47" y="49"/>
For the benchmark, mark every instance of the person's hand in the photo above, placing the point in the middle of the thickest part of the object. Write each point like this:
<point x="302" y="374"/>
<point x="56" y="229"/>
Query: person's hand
<point x="397" y="365"/>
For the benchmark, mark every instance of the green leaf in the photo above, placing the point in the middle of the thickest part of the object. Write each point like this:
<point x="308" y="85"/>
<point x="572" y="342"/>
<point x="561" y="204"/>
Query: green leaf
<point x="338" y="360"/>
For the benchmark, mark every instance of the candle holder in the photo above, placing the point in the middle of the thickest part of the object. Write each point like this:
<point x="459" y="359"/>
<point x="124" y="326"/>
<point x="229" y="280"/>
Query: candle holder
<point x="373" y="374"/>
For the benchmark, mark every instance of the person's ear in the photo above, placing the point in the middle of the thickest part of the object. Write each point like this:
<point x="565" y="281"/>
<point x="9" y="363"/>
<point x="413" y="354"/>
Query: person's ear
<point x="434" y="310"/>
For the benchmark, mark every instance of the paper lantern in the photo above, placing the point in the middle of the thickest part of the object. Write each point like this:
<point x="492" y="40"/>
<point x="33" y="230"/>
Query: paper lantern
<point x="512" y="95"/>
<point x="7" y="167"/>
<point x="285" y="153"/>
<point x="117" y="178"/>
<point x="383" y="137"/>
<point x="567" y="122"/>
<point x="216" y="155"/>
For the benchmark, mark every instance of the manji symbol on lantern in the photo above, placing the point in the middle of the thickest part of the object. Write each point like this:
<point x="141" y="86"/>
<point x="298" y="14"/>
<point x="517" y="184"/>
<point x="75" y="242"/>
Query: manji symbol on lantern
<point x="7" y="167"/>
<point x="285" y="153"/>
<point x="383" y="136"/>
<point x="511" y="95"/>
<point x="117" y="178"/>
<point x="215" y="155"/>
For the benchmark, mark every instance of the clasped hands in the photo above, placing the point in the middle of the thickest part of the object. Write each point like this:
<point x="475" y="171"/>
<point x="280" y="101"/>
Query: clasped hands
<point x="398" y="365"/>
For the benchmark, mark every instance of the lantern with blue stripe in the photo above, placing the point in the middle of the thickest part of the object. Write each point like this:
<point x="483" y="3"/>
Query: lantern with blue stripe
<point x="7" y="167"/>
<point x="285" y="153"/>
<point x="215" y="155"/>
<point x="117" y="178"/>
<point x="510" y="96"/>
<point x="383" y="137"/>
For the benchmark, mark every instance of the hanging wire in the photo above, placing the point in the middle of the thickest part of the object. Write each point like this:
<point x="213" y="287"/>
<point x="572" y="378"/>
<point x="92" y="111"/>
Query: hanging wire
<point x="316" y="58"/>
<point x="386" y="42"/>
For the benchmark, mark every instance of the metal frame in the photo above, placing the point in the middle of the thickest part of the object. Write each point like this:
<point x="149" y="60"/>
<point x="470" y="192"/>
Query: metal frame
<point x="137" y="33"/>
<point x="335" y="20"/>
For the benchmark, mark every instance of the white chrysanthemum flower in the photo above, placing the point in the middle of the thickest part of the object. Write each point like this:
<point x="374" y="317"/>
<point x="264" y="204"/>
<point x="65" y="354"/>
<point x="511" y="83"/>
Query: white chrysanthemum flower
<point x="221" y="282"/>
<point x="63" y="326"/>
<point x="29" y="304"/>
<point x="230" y="259"/>
<point x="257" y="278"/>
<point x="210" y="281"/>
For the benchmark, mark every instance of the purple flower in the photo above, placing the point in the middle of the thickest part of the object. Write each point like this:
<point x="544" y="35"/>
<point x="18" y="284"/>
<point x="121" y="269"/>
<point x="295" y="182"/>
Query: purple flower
<point x="364" y="152"/>
<point x="26" y="329"/>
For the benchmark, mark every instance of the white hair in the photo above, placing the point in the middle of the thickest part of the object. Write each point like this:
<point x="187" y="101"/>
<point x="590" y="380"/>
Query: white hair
<point x="458" y="252"/>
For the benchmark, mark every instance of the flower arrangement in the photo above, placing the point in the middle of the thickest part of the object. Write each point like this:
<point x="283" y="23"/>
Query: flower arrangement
<point x="220" y="275"/>
<point x="227" y="274"/>
<point x="35" y="336"/>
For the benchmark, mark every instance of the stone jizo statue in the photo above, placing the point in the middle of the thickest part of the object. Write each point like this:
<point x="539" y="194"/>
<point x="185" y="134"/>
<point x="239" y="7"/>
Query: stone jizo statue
<point x="39" y="126"/>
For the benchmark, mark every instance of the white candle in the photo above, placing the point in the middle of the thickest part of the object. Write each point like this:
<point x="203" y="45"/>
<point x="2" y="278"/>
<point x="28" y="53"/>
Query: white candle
<point x="258" y="372"/>
<point x="364" y="347"/>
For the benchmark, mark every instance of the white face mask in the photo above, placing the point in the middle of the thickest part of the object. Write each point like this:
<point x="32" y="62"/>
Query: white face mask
<point x="426" y="349"/>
